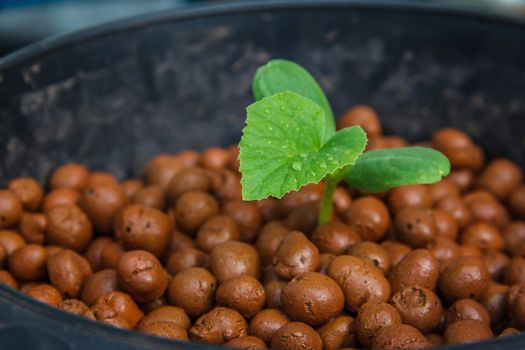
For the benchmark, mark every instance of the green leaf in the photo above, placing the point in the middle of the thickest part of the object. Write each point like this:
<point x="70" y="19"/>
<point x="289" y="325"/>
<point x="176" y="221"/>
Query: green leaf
<point x="380" y="170"/>
<point x="282" y="75"/>
<point x="282" y="146"/>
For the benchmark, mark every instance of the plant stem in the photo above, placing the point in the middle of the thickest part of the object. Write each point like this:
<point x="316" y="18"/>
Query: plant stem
<point x="325" y="211"/>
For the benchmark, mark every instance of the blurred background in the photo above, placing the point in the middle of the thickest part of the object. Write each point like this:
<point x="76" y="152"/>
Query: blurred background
<point x="25" y="21"/>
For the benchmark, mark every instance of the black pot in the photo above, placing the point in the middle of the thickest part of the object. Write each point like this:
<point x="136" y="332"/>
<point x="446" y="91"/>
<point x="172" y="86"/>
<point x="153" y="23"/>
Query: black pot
<point x="118" y="94"/>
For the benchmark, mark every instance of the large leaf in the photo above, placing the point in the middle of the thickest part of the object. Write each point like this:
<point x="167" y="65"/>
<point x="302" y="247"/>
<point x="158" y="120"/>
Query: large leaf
<point x="380" y="170"/>
<point x="282" y="75"/>
<point x="282" y="146"/>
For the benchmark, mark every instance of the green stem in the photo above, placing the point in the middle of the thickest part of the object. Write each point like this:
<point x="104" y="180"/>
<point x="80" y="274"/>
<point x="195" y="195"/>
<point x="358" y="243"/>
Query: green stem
<point x="325" y="211"/>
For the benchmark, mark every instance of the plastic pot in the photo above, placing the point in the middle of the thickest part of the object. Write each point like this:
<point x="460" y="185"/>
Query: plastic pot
<point x="115" y="95"/>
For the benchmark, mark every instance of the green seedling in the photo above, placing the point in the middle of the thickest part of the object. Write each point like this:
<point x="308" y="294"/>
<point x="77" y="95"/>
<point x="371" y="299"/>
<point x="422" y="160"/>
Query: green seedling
<point x="290" y="140"/>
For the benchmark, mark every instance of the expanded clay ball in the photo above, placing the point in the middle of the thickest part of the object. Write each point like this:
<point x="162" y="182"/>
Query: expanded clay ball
<point x="295" y="255"/>
<point x="138" y="227"/>
<point x="193" y="290"/>
<point x="369" y="217"/>
<point x="296" y="335"/>
<point x="419" y="267"/>
<point x="418" y="307"/>
<point x="399" y="336"/>
<point x="335" y="238"/>
<point x="232" y="259"/>
<point x="68" y="272"/>
<point x="219" y="326"/>
<point x="193" y="208"/>
<point x="140" y="274"/>
<point x="312" y="298"/>
<point x="242" y="293"/>
<point x="68" y="226"/>
<point x="467" y="331"/>
<point x="338" y="333"/>
<point x="117" y="308"/>
<point x="246" y="342"/>
<point x="28" y="191"/>
<point x="10" y="208"/>
<point x="266" y="323"/>
<point x="371" y="317"/>
<point x="468" y="277"/>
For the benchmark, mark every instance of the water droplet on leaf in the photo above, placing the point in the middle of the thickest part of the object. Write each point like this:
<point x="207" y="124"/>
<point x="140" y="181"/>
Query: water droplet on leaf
<point x="267" y="111"/>
<point x="297" y="166"/>
<point x="322" y="165"/>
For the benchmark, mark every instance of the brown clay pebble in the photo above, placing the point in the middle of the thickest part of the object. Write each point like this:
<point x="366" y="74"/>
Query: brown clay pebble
<point x="445" y="250"/>
<point x="242" y="293"/>
<point x="418" y="307"/>
<point x="324" y="260"/>
<point x="501" y="177"/>
<point x="515" y="272"/>
<point x="101" y="204"/>
<point x="396" y="250"/>
<point x="369" y="217"/>
<point x="517" y="202"/>
<point x="372" y="253"/>
<point x="97" y="285"/>
<point x="419" y="267"/>
<point x="467" y="331"/>
<point x="509" y="331"/>
<point x="335" y="238"/>
<point x="463" y="178"/>
<point x="442" y="189"/>
<point x="171" y="314"/>
<point x="296" y="335"/>
<point x="364" y="116"/>
<point x="468" y="277"/>
<point x="76" y="307"/>
<point x="247" y="342"/>
<point x="45" y="293"/>
<point x="446" y="225"/>
<point x="415" y="227"/>
<point x="68" y="226"/>
<point x="165" y="329"/>
<point x="188" y="179"/>
<point x="10" y="241"/>
<point x="154" y="304"/>
<point x="7" y="279"/>
<point x="111" y="254"/>
<point x="214" y="158"/>
<point x="225" y="185"/>
<point x="28" y="191"/>
<point x="179" y="241"/>
<point x="338" y="333"/>
<point x="399" y="336"/>
<point x="117" y="305"/>
<point x="60" y="196"/>
<point x="10" y="208"/>
<point x="457" y="208"/>
<point x="483" y="236"/>
<point x="219" y="326"/>
<point x="150" y="196"/>
<point x="304" y="218"/>
<point x="312" y="298"/>
<point x="495" y="302"/>
<point x="342" y="200"/>
<point x="193" y="290"/>
<point x="161" y="169"/>
<point x="28" y="263"/>
<point x="410" y="196"/>
<point x="268" y="240"/>
<point x="68" y="272"/>
<point x="265" y="323"/>
<point x="295" y="255"/>
<point x="188" y="157"/>
<point x="183" y="259"/>
<point x="130" y="187"/>
<point x="232" y="259"/>
<point x="467" y="309"/>
<point x="490" y="211"/>
<point x="216" y="230"/>
<point x="3" y="256"/>
<point x="72" y="175"/>
<point x="247" y="216"/>
<point x="497" y="263"/>
<point x="101" y="178"/>
<point x="193" y="208"/>
<point x="516" y="304"/>
<point x="273" y="293"/>
<point x="140" y="274"/>
<point x="360" y="281"/>
<point x="32" y="227"/>
<point x="514" y="237"/>
<point x="371" y="317"/>
<point x="143" y="228"/>
<point x="93" y="253"/>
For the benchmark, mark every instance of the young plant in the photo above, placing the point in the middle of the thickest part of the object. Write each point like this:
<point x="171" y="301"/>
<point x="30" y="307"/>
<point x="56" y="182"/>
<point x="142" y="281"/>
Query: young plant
<point x="290" y="141"/>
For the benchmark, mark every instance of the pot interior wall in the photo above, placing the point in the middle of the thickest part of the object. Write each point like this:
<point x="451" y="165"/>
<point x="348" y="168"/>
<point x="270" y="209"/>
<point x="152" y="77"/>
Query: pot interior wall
<point x="116" y="99"/>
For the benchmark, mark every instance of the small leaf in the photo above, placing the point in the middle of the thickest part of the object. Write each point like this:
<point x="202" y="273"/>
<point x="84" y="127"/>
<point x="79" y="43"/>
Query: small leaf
<point x="282" y="146"/>
<point x="282" y="75"/>
<point x="380" y="170"/>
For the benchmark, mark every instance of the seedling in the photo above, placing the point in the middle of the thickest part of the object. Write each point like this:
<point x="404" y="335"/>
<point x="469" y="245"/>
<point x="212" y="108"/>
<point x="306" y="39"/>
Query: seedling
<point x="290" y="141"/>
